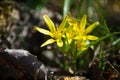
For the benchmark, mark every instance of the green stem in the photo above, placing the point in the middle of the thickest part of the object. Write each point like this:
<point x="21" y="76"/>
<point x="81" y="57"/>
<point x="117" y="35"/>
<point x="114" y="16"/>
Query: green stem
<point x="66" y="7"/>
<point x="74" y="58"/>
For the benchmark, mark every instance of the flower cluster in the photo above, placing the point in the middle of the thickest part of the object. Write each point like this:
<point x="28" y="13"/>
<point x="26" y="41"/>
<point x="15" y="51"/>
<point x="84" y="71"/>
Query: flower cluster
<point x="70" y="33"/>
<point x="71" y="37"/>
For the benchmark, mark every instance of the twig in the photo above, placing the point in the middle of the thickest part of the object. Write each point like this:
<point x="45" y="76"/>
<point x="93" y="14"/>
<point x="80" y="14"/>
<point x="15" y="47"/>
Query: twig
<point x="113" y="67"/>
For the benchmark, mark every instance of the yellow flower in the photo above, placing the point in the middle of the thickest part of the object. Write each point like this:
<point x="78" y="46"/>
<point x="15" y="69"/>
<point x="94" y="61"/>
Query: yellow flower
<point x="70" y="34"/>
<point x="81" y="31"/>
<point x="56" y="33"/>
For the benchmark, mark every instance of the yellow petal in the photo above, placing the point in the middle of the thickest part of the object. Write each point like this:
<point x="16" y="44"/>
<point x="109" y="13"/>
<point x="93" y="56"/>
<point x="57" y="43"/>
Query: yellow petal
<point x="91" y="27"/>
<point x="80" y="37"/>
<point x="49" y="23"/>
<point x="71" y="20"/>
<point x="62" y="25"/>
<point x="83" y="22"/>
<point x="76" y="28"/>
<point x="49" y="41"/>
<point x="90" y="37"/>
<point x="44" y="31"/>
<point x="77" y="37"/>
<point x="60" y="43"/>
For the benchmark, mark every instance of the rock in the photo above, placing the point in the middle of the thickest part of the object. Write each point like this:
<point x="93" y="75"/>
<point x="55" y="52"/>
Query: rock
<point x="18" y="64"/>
